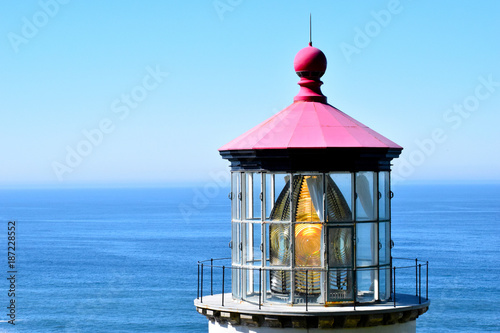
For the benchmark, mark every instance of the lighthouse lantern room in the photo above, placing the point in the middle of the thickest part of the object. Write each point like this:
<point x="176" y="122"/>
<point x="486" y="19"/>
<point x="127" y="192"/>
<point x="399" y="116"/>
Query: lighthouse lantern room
<point x="311" y="226"/>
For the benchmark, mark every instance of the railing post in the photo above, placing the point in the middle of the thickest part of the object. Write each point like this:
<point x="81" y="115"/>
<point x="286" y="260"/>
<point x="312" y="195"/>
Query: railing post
<point x="198" y="285"/>
<point x="394" y="292"/>
<point x="390" y="265"/>
<point x="223" y="269"/>
<point x="211" y="276"/>
<point x="419" y="283"/>
<point x="201" y="294"/>
<point x="416" y="277"/>
<point x="307" y="287"/>
<point x="427" y="281"/>
<point x="355" y="284"/>
<point x="260" y="285"/>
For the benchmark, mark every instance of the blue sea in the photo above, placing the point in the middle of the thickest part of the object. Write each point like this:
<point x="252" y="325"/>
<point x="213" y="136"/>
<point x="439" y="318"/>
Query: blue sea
<point x="124" y="260"/>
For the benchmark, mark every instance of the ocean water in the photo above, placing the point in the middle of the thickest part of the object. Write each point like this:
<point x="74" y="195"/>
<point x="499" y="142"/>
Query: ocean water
<point x="124" y="260"/>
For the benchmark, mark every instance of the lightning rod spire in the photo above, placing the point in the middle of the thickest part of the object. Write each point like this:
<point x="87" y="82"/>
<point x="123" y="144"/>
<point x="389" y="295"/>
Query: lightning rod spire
<point x="310" y="30"/>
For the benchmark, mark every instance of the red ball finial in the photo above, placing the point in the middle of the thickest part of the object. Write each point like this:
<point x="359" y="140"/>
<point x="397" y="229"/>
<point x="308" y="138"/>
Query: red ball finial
<point x="310" y="65"/>
<point x="310" y="59"/>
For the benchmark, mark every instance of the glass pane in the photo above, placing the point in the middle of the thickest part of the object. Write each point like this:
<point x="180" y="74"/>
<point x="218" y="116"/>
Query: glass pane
<point x="257" y="194"/>
<point x="340" y="285"/>
<point x="236" y="282"/>
<point x="256" y="285"/>
<point x="270" y="194"/>
<point x="266" y="242"/>
<point x="252" y="197"/>
<point x="308" y="207"/>
<point x="384" y="243"/>
<point x="235" y="195"/>
<point x="251" y="284"/>
<point x="267" y="279"/>
<point x="281" y="207"/>
<point x="247" y="241"/>
<point x="366" y="195"/>
<point x="366" y="285"/>
<point x="308" y="240"/>
<point x="339" y="197"/>
<point x="235" y="243"/>
<point x="248" y="195"/>
<point x="366" y="244"/>
<point x="271" y="296"/>
<point x="340" y="249"/>
<point x="384" y="195"/>
<point x="340" y="255"/>
<point x="308" y="198"/>
<point x="308" y="282"/>
<point x="279" y="244"/>
<point x="280" y="283"/>
<point x="385" y="283"/>
<point x="280" y="252"/>
<point x="257" y="237"/>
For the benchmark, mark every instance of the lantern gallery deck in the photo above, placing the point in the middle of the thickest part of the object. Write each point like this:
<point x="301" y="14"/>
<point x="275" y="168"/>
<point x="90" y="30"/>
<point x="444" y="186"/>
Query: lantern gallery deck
<point x="246" y="314"/>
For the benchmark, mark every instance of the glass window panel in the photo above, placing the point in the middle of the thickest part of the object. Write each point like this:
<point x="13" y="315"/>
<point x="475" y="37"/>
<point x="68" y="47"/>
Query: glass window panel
<point x="279" y="244"/>
<point x="235" y="243"/>
<point x="279" y="255"/>
<point x="270" y="194"/>
<point x="271" y="296"/>
<point x="279" y="285"/>
<point x="366" y="196"/>
<point x="340" y="263"/>
<point x="385" y="283"/>
<point x="251" y="284"/>
<point x="308" y="250"/>
<point x="248" y="195"/>
<point x="236" y="259"/>
<point x="339" y="197"/>
<point x="267" y="279"/>
<point x="236" y="195"/>
<point x="310" y="282"/>
<point x="340" y="249"/>
<point x="266" y="243"/>
<point x="384" y="243"/>
<point x="308" y="198"/>
<point x="365" y="285"/>
<point x="256" y="281"/>
<point x="257" y="237"/>
<point x="252" y="195"/>
<point x="247" y="242"/>
<point x="281" y="207"/>
<point x="308" y="240"/>
<point x="257" y="194"/>
<point x="366" y="244"/>
<point x="236" y="282"/>
<point x="384" y="195"/>
<point x="340" y="284"/>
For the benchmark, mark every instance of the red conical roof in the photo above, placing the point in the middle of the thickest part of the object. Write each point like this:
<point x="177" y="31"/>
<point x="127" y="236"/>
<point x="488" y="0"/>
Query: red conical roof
<point x="310" y="125"/>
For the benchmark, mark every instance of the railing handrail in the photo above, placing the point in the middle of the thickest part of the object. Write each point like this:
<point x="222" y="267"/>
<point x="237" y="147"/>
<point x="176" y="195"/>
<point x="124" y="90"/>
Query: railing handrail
<point x="281" y="268"/>
<point x="213" y="259"/>
<point x="410" y="259"/>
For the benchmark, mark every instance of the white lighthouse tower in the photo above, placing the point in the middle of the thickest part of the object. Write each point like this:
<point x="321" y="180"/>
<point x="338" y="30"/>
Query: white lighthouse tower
<point x="311" y="226"/>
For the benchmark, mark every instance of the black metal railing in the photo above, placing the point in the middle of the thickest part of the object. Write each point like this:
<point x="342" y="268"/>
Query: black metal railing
<point x="404" y="278"/>
<point x="418" y="266"/>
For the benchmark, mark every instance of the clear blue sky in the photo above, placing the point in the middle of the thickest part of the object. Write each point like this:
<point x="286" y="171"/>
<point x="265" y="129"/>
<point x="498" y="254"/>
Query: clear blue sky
<point x="425" y="74"/>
